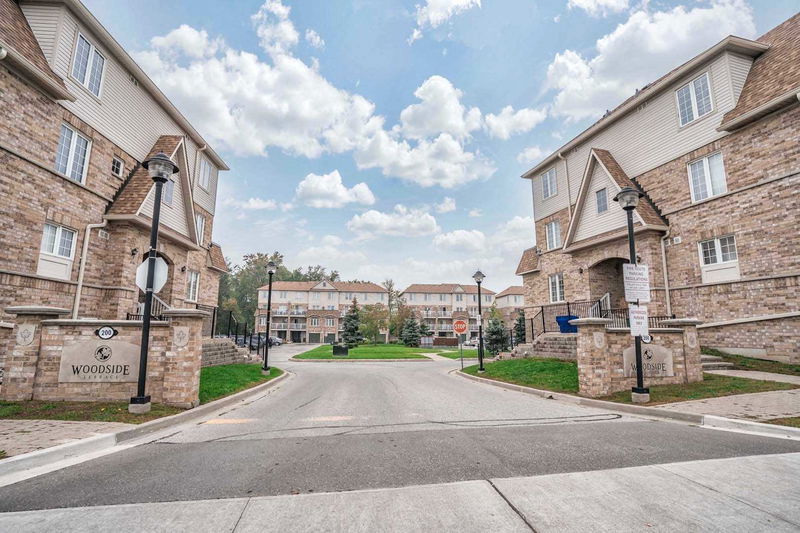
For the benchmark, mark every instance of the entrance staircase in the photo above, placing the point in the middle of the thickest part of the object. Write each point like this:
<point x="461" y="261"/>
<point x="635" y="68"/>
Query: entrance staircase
<point x="223" y="351"/>
<point x="550" y="345"/>
<point x="713" y="362"/>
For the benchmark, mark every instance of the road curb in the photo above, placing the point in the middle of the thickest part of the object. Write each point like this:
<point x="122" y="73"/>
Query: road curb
<point x="750" y="426"/>
<point x="96" y="443"/>
<point x="344" y="360"/>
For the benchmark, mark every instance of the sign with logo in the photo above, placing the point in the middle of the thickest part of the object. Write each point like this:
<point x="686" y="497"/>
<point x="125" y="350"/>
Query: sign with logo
<point x="101" y="360"/>
<point x="25" y="334"/>
<point x="656" y="361"/>
<point x="181" y="336"/>
<point x="159" y="275"/>
<point x="638" y="319"/>
<point x="637" y="283"/>
<point x="105" y="332"/>
<point x="460" y="326"/>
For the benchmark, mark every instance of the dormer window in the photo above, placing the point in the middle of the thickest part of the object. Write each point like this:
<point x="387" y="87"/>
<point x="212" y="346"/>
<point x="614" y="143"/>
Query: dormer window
<point x="205" y="173"/>
<point x="88" y="65"/>
<point x="694" y="99"/>
<point x="549" y="184"/>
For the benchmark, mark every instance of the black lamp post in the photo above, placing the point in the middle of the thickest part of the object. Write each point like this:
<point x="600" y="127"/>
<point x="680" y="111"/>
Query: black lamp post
<point x="478" y="277"/>
<point x="160" y="167"/>
<point x="271" y="268"/>
<point x="628" y="199"/>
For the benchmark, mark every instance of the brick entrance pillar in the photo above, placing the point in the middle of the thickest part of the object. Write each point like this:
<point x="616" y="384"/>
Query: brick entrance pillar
<point x="691" y="346"/>
<point x="22" y="357"/>
<point x="594" y="364"/>
<point x="184" y="357"/>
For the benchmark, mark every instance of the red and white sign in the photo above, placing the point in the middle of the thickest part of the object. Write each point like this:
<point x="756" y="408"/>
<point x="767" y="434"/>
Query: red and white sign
<point x="460" y="327"/>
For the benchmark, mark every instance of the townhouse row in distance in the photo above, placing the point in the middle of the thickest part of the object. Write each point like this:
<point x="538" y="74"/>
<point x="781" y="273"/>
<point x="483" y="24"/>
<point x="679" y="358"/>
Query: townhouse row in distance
<point x="78" y="118"/>
<point x="313" y="311"/>
<point x="714" y="146"/>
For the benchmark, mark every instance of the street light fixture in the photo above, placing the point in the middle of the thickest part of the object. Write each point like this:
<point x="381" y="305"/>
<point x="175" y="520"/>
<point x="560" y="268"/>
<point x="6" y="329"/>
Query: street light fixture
<point x="479" y="277"/>
<point x="628" y="199"/>
<point x="160" y="167"/>
<point x="271" y="268"/>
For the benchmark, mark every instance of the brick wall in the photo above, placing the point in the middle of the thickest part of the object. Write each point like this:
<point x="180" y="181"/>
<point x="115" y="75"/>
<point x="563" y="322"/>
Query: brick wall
<point x="771" y="339"/>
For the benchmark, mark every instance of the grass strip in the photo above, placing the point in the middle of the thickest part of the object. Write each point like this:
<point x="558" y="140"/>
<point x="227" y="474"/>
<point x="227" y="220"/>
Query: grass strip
<point x="741" y="362"/>
<point x="367" y="351"/>
<point x="223" y="380"/>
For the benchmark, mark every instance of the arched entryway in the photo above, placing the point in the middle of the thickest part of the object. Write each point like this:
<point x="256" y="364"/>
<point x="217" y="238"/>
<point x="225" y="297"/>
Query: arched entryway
<point x="605" y="282"/>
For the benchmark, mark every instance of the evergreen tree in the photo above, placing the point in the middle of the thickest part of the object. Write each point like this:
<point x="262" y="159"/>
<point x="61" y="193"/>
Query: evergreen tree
<point x="496" y="336"/>
<point x="351" y="327"/>
<point x="410" y="332"/>
<point x="425" y="329"/>
<point x="519" y="328"/>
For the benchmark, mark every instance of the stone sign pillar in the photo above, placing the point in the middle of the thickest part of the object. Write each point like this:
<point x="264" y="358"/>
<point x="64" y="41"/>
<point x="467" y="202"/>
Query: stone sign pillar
<point x="691" y="346"/>
<point x="594" y="364"/>
<point x="183" y="357"/>
<point x="22" y="358"/>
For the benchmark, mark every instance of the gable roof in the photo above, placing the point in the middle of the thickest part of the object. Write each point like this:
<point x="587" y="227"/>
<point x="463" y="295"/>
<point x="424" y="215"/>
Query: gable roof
<point x="731" y="43"/>
<point x="645" y="212"/>
<point x="216" y="259"/>
<point x="335" y="285"/>
<point x="445" y="288"/>
<point x="774" y="78"/>
<point x="514" y="290"/>
<point x="25" y="53"/>
<point x="367" y="286"/>
<point x="529" y="262"/>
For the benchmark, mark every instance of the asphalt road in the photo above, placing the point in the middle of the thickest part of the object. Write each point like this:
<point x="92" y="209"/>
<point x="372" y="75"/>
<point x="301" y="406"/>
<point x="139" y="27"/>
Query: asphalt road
<point x="348" y="426"/>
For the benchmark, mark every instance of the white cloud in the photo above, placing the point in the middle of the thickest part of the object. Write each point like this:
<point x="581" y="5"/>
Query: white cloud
<point x="475" y="213"/>
<point x="597" y="8"/>
<point x="327" y="190"/>
<point x="510" y="122"/>
<point x="440" y="111"/>
<point x="461" y="239"/>
<point x="188" y="41"/>
<point x="253" y="204"/>
<point x="331" y="253"/>
<point x="531" y="154"/>
<point x="448" y="204"/>
<point x="662" y="40"/>
<point x="314" y="39"/>
<point x="275" y="31"/>
<point x="436" y="12"/>
<point x="513" y="236"/>
<point x="402" y="222"/>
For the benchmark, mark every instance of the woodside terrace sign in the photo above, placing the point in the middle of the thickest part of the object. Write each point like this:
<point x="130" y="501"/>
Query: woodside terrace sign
<point x="110" y="361"/>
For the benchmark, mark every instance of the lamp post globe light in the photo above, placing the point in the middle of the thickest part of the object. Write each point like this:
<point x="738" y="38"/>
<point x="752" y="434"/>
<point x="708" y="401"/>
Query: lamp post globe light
<point x="271" y="268"/>
<point x="628" y="199"/>
<point x="479" y="277"/>
<point x="160" y="167"/>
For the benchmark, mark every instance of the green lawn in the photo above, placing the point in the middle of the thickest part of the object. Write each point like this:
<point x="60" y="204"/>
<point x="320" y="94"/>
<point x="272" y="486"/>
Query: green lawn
<point x="454" y="354"/>
<point x="368" y="351"/>
<point x="793" y="421"/>
<point x="550" y="374"/>
<point x="741" y="362"/>
<point x="215" y="382"/>
<point x="2" y="454"/>
<point x="712" y="386"/>
<point x="224" y="380"/>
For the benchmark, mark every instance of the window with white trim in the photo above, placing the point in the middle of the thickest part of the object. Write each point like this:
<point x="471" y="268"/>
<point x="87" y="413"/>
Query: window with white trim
<point x="168" y="192"/>
<point x="549" y="184"/>
<point x="602" y="200"/>
<point x="262" y="321"/>
<point x="459" y="297"/>
<point x="329" y="322"/>
<point x="719" y="250"/>
<point x="117" y="166"/>
<point x="58" y="240"/>
<point x="204" y="177"/>
<point x="200" y="223"/>
<point x="556" y="282"/>
<point x="707" y="177"/>
<point x="553" y="234"/>
<point x="192" y="285"/>
<point x="314" y="321"/>
<point x="88" y="65"/>
<point x="694" y="99"/>
<point x="72" y="155"/>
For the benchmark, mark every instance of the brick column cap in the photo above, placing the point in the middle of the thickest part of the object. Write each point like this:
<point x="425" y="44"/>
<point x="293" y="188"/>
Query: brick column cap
<point x="174" y="313"/>
<point x="42" y="310"/>
<point x="682" y="322"/>
<point x="590" y="321"/>
<point x="6" y="325"/>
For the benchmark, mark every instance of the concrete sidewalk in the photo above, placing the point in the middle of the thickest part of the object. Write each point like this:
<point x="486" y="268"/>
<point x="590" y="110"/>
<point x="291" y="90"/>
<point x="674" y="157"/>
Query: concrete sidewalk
<point x="741" y="494"/>
<point x="24" y="436"/>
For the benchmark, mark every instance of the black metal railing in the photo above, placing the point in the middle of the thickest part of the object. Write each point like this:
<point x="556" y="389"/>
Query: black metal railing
<point x="137" y="316"/>
<point x="545" y="318"/>
<point x="620" y="319"/>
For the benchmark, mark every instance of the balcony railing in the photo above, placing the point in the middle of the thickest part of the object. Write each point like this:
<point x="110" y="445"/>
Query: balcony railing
<point x="279" y="325"/>
<point x="445" y="327"/>
<point x="473" y="327"/>
<point x="298" y="312"/>
<point x="297" y="326"/>
<point x="280" y="312"/>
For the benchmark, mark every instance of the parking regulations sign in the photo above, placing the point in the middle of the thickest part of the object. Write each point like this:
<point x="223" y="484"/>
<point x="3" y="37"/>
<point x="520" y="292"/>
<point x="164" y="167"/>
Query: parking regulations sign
<point x="637" y="283"/>
<point x="638" y="318"/>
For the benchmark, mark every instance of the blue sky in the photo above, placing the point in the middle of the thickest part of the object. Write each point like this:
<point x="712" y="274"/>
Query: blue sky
<point x="386" y="138"/>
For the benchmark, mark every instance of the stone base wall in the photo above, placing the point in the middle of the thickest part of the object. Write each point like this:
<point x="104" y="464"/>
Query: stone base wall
<point x="600" y="356"/>
<point x="556" y="345"/>
<point x="222" y="352"/>
<point x="777" y="339"/>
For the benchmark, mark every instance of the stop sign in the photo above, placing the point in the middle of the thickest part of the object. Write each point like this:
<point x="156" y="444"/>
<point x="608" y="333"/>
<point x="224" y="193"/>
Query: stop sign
<point x="460" y="327"/>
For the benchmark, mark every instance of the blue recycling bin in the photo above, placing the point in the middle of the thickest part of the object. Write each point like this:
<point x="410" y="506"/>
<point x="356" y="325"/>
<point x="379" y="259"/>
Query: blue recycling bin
<point x="563" y="324"/>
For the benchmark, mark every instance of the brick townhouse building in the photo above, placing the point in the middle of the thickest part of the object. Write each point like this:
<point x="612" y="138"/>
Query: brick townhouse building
<point x="78" y="118"/>
<point x="714" y="145"/>
<point x="439" y="304"/>
<point x="509" y="303"/>
<point x="313" y="311"/>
